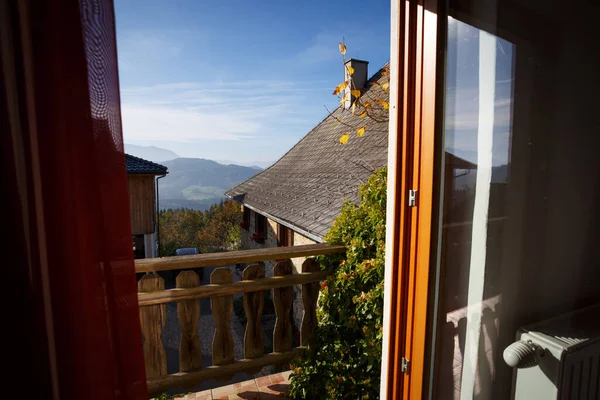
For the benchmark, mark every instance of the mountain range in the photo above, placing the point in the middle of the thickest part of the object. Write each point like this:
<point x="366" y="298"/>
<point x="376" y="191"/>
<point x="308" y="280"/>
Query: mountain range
<point x="150" y="153"/>
<point x="197" y="183"/>
<point x="194" y="183"/>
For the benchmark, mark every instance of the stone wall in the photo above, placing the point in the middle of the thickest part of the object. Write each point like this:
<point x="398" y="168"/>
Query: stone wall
<point x="270" y="240"/>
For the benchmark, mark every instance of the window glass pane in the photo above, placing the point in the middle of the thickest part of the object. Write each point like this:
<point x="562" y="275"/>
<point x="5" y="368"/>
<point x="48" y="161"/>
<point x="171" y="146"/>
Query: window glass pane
<point x="519" y="226"/>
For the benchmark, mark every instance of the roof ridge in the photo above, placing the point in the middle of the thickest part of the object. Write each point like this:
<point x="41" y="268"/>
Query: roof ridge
<point x="144" y="160"/>
<point x="139" y="165"/>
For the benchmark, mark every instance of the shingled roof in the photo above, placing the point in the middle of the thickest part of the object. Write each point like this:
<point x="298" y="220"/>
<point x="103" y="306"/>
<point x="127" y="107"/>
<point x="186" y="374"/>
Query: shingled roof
<point x="136" y="165"/>
<point x="305" y="189"/>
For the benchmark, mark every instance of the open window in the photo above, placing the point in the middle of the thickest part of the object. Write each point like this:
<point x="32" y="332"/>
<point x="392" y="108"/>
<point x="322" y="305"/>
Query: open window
<point x="285" y="236"/>
<point x="246" y="218"/>
<point x="260" y="228"/>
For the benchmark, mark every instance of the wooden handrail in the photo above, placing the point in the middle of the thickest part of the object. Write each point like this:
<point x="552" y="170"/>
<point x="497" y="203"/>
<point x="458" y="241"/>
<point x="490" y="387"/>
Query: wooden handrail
<point x="152" y="298"/>
<point x="182" y="379"/>
<point x="235" y="257"/>
<point x="213" y="290"/>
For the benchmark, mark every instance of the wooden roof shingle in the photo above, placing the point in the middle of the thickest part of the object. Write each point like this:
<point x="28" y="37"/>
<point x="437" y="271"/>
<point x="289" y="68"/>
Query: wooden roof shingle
<point x="305" y="189"/>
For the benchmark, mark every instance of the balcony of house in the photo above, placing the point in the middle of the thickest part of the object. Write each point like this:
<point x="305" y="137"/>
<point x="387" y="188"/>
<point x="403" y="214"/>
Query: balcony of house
<point x="196" y="345"/>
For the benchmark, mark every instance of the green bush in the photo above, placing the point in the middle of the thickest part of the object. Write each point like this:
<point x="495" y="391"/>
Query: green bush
<point x="344" y="361"/>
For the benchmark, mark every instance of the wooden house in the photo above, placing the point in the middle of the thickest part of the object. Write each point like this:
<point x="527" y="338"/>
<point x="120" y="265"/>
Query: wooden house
<point x="142" y="176"/>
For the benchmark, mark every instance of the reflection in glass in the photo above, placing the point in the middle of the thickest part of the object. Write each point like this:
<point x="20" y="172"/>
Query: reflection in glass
<point x="477" y="127"/>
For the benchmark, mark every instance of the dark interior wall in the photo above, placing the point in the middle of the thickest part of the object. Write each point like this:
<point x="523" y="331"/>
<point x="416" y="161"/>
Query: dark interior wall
<point x="557" y="168"/>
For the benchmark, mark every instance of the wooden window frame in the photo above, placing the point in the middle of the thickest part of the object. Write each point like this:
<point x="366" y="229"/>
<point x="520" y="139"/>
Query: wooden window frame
<point x="246" y="218"/>
<point x="285" y="236"/>
<point x="416" y="65"/>
<point x="260" y="227"/>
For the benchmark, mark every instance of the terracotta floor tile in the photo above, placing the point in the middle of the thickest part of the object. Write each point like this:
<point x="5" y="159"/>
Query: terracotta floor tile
<point x="202" y="394"/>
<point x="269" y="396"/>
<point x="267" y="389"/>
<point x="286" y="375"/>
<point x="263" y="381"/>
<point x="251" y="395"/>
<point x="247" y="387"/>
<point x="277" y="378"/>
<point x="223" y="391"/>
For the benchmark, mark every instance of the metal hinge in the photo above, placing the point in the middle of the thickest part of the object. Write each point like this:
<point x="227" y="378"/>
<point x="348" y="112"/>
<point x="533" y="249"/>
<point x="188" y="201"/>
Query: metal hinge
<point x="412" y="198"/>
<point x="405" y="367"/>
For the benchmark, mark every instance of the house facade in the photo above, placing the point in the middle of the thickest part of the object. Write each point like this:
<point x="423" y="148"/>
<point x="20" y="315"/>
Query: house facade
<point x="296" y="200"/>
<point x="143" y="204"/>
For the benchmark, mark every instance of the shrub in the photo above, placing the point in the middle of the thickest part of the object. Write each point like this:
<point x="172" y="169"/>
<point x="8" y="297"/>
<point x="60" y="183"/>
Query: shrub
<point x="344" y="361"/>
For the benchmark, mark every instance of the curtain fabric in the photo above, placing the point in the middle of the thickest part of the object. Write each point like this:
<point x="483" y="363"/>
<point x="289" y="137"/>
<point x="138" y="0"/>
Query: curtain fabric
<point x="72" y="138"/>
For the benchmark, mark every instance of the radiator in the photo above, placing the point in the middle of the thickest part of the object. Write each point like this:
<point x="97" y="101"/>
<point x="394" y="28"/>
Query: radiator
<point x="558" y="358"/>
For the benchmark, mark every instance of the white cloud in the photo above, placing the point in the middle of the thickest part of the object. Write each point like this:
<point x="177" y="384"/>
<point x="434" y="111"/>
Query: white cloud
<point x="142" y="48"/>
<point x="160" y="123"/>
<point x="194" y="111"/>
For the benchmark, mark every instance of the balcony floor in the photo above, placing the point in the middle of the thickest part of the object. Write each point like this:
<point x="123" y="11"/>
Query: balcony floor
<point x="270" y="387"/>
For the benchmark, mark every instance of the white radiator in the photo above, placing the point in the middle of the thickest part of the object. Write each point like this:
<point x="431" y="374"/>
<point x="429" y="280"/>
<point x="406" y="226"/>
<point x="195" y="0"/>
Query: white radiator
<point x="558" y="358"/>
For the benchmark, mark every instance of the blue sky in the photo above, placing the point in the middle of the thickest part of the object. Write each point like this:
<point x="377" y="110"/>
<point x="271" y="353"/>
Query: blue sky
<point x="238" y="80"/>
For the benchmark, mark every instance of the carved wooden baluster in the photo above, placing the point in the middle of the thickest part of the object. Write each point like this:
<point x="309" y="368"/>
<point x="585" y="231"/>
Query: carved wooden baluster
<point x="254" y="342"/>
<point x="188" y="313"/>
<point x="222" y="308"/>
<point x="310" y="294"/>
<point x="282" y="301"/>
<point x="153" y="319"/>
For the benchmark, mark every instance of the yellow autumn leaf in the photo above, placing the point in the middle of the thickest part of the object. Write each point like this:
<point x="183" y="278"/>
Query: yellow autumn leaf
<point x="384" y="72"/>
<point x="384" y="104"/>
<point x="350" y="69"/>
<point x="353" y="107"/>
<point x="363" y="114"/>
<point x="343" y="99"/>
<point x="344" y="138"/>
<point x="367" y="104"/>
<point x="361" y="131"/>
<point x="374" y="83"/>
<point x="340" y="88"/>
<point x="355" y="93"/>
<point x="385" y="86"/>
<point x="343" y="49"/>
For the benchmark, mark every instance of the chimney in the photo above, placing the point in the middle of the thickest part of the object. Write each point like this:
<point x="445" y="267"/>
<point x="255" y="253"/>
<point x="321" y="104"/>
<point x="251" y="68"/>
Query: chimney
<point x="358" y="79"/>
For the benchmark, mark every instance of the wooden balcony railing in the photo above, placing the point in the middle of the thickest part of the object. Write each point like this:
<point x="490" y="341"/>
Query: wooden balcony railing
<point x="152" y="298"/>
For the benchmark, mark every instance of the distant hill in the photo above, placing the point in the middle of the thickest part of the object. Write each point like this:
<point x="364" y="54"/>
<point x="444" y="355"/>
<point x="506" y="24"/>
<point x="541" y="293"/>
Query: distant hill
<point x="252" y="164"/>
<point x="150" y="153"/>
<point x="197" y="183"/>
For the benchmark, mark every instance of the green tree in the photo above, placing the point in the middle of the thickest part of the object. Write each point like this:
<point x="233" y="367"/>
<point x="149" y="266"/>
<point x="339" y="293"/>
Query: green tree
<point x="216" y="229"/>
<point x="222" y="230"/>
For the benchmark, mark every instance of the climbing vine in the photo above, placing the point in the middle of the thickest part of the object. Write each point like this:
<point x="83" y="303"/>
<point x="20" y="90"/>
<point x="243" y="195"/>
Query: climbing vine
<point x="344" y="361"/>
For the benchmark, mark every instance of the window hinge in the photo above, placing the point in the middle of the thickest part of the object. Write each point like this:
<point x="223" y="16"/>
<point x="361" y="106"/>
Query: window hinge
<point x="405" y="367"/>
<point x="412" y="198"/>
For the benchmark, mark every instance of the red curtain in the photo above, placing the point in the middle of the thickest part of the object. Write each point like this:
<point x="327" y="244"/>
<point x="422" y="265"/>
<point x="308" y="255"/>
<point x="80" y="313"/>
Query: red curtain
<point x="63" y="155"/>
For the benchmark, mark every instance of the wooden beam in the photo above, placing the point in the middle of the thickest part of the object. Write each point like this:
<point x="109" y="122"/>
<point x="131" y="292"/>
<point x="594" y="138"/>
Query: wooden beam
<point x="234" y="257"/>
<point x="188" y="313"/>
<point x="166" y="296"/>
<point x="153" y="320"/>
<point x="181" y="379"/>
<point x="254" y="342"/>
<point x="222" y="309"/>
<point x="282" y="301"/>
<point x="310" y="295"/>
